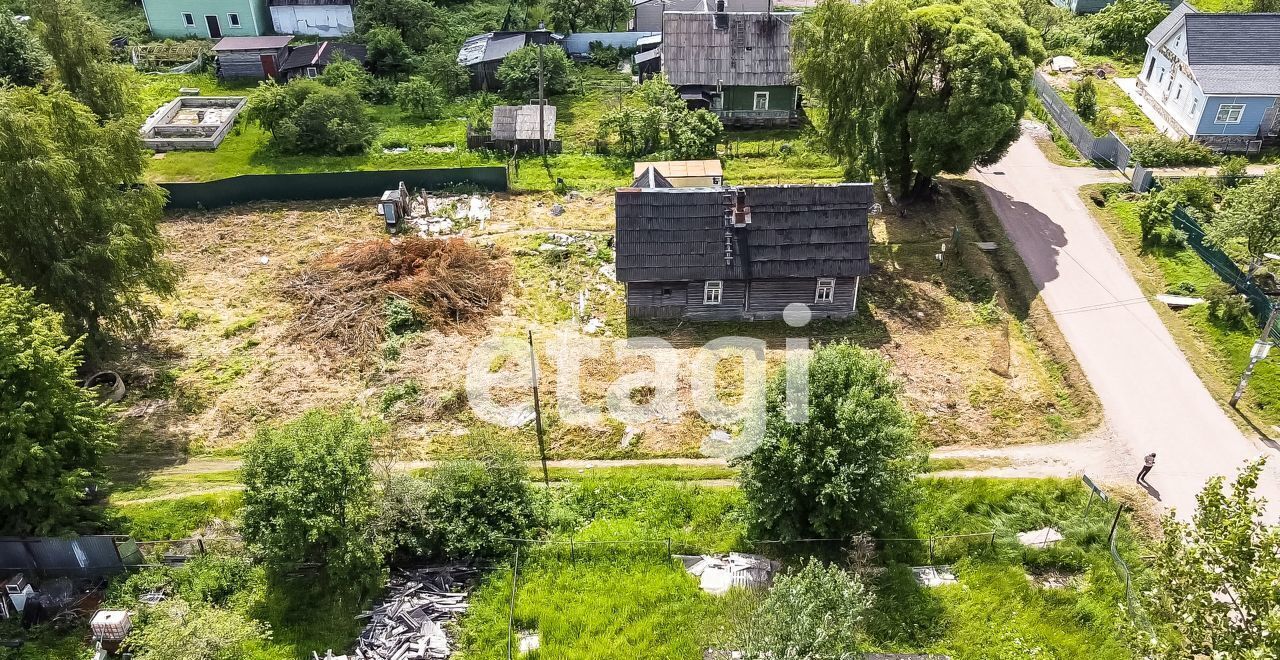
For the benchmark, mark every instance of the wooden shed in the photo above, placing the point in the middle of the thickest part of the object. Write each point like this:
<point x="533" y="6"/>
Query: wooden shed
<point x="251" y="57"/>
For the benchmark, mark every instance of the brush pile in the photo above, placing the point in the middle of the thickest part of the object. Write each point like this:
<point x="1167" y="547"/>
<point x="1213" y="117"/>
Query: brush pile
<point x="444" y="282"/>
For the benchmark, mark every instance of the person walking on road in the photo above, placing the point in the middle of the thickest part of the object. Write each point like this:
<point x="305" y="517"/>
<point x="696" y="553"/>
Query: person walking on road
<point x="1147" y="463"/>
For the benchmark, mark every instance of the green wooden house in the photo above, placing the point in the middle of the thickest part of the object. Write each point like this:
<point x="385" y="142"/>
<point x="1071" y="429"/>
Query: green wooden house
<point x="736" y="64"/>
<point x="207" y="19"/>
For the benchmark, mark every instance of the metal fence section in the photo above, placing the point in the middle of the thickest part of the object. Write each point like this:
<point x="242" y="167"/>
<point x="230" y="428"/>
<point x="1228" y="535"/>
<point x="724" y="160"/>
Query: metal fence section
<point x="1066" y="118"/>
<point x="327" y="185"/>
<point x="1142" y="180"/>
<point x="1225" y="268"/>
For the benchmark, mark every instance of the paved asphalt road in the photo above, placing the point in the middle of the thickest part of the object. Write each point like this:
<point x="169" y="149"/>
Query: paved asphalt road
<point x="1152" y="400"/>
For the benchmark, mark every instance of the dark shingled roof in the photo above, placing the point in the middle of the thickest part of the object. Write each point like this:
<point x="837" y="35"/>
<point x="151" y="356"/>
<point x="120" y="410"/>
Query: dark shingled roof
<point x="753" y="49"/>
<point x="678" y="234"/>
<point x="319" y="55"/>
<point x="651" y="178"/>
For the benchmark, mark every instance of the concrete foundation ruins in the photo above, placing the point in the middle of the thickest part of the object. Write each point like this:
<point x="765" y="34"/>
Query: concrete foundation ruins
<point x="192" y="123"/>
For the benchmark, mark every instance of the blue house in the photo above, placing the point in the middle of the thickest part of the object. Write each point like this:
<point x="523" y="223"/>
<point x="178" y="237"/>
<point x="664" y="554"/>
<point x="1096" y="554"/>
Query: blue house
<point x="1215" y="78"/>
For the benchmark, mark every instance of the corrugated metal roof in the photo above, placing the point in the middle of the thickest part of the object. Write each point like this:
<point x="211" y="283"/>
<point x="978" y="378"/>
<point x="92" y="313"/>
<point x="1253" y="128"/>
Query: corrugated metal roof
<point x="520" y="122"/>
<point x="250" y="43"/>
<point x="682" y="168"/>
<point x="678" y="234"/>
<point x="752" y="48"/>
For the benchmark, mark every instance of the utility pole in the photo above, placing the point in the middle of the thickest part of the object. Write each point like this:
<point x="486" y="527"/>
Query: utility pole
<point x="542" y="104"/>
<point x="537" y="413"/>
<point x="1260" y="350"/>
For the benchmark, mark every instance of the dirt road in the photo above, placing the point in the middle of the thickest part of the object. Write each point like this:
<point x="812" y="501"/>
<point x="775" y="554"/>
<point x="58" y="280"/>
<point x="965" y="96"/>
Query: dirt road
<point x="1152" y="400"/>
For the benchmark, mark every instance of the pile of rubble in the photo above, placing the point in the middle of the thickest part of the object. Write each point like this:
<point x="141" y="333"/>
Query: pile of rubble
<point x="717" y="573"/>
<point x="436" y="215"/>
<point x="409" y="623"/>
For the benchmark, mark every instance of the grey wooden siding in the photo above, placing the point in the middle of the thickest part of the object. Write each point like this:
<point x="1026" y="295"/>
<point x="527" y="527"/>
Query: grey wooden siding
<point x="656" y="300"/>
<point x="732" y="299"/>
<point x="739" y="300"/>
<point x="770" y="297"/>
<point x="247" y="63"/>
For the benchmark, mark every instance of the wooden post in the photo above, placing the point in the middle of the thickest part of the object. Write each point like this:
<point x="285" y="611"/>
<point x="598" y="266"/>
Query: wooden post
<point x="931" y="551"/>
<point x="511" y="611"/>
<point x="1114" y="522"/>
<point x="537" y="414"/>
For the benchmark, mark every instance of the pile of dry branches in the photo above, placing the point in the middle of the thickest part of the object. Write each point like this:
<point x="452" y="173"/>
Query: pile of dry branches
<point x="345" y="292"/>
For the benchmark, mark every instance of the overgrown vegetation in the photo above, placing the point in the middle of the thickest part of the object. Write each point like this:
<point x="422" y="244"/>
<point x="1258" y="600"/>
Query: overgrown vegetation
<point x="52" y="432"/>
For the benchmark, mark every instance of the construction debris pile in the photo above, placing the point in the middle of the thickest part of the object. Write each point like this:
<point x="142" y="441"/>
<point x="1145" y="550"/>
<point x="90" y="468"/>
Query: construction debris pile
<point x="436" y="215"/>
<point x="345" y="294"/>
<point x="717" y="573"/>
<point x="410" y="622"/>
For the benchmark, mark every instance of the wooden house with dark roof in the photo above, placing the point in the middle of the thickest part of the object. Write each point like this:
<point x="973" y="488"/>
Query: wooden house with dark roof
<point x="742" y="253"/>
<point x="738" y="65"/>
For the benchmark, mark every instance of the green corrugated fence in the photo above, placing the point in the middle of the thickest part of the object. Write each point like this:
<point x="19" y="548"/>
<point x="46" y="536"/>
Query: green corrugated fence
<point x="328" y="185"/>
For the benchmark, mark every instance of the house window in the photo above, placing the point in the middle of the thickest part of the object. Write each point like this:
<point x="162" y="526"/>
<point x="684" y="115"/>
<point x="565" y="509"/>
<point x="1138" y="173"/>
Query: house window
<point x="761" y="101"/>
<point x="711" y="292"/>
<point x="1179" y="94"/>
<point x="1161" y="78"/>
<point x="234" y="20"/>
<point x="826" y="291"/>
<point x="311" y="72"/>
<point x="1151" y="67"/>
<point x="188" y="20"/>
<point x="1195" y="105"/>
<point x="1229" y="113"/>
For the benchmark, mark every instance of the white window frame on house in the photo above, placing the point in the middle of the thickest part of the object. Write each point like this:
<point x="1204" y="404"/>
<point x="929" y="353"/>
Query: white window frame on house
<point x="1179" y="94"/>
<point x="712" y="292"/>
<point x="1161" y="78"/>
<point x="826" y="291"/>
<point x="755" y="101"/>
<point x="233" y="20"/>
<point x="1195" y="105"/>
<point x="188" y="19"/>
<point x="312" y="72"/>
<point x="1229" y="113"/>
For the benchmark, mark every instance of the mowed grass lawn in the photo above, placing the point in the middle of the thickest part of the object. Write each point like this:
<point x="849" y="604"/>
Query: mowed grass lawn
<point x="442" y="143"/>
<point x="1218" y="352"/>
<point x="628" y="601"/>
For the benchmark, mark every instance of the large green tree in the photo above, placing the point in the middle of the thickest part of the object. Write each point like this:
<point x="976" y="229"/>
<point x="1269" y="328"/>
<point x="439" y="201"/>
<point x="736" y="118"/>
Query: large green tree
<point x="1122" y="26"/>
<point x="309" y="495"/>
<point x="81" y="52"/>
<point x="1214" y="581"/>
<point x="913" y="89"/>
<point x="52" y="432"/>
<point x="519" y="72"/>
<point x="21" y="60"/>
<point x="1249" y="218"/>
<point x="419" y="22"/>
<point x="849" y="468"/>
<point x="79" y="221"/>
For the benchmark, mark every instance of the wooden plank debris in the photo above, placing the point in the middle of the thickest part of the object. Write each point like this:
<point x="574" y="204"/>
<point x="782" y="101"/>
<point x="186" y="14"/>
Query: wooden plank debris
<point x="409" y="622"/>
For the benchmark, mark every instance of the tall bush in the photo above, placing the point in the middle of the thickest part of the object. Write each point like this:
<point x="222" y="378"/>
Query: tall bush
<point x="306" y="117"/>
<point x="850" y="468"/>
<point x="461" y="509"/>
<point x="518" y="73"/>
<point x="309" y="496"/>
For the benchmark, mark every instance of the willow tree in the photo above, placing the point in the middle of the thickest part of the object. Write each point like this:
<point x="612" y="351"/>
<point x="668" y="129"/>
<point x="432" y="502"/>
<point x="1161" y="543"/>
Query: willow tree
<point x="78" y="221"/>
<point x="911" y="90"/>
<point x="81" y="52"/>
